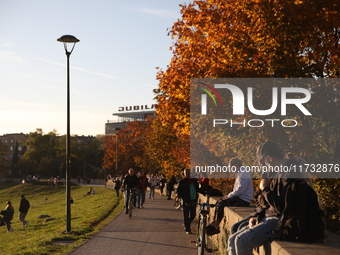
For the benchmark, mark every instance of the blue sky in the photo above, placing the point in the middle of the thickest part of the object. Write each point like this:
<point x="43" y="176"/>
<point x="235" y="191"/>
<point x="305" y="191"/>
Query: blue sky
<point x="113" y="65"/>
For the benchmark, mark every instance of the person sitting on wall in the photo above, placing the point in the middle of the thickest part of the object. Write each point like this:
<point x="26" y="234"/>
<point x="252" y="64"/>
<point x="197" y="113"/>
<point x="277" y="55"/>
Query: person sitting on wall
<point x="241" y="195"/>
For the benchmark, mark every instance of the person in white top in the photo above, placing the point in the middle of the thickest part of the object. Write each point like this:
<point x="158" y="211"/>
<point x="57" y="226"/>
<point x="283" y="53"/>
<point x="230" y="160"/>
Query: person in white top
<point x="241" y="195"/>
<point x="153" y="184"/>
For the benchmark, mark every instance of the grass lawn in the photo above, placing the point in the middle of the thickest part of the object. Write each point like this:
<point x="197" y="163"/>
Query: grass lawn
<point x="88" y="214"/>
<point x="4" y="185"/>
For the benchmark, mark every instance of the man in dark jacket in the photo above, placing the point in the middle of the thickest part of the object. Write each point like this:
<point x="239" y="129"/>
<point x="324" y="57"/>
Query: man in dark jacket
<point x="131" y="181"/>
<point x="187" y="190"/>
<point x="262" y="223"/>
<point x="170" y="186"/>
<point x="23" y="209"/>
<point x="142" y="186"/>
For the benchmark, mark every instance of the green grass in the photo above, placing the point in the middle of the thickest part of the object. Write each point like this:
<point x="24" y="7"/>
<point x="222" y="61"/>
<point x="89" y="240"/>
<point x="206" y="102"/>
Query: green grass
<point x="88" y="214"/>
<point x="4" y="185"/>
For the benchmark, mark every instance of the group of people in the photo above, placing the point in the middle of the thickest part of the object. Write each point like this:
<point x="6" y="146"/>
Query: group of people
<point x="138" y="184"/>
<point x="256" y="229"/>
<point x="9" y="212"/>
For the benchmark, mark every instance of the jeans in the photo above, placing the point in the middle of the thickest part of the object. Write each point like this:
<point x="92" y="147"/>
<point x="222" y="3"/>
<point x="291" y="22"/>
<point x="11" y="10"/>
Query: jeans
<point x="141" y="197"/>
<point x="169" y="193"/>
<point x="233" y="201"/>
<point x="127" y="199"/>
<point x="152" y="192"/>
<point x="117" y="190"/>
<point x="246" y="239"/>
<point x="22" y="217"/>
<point x="239" y="225"/>
<point x="189" y="214"/>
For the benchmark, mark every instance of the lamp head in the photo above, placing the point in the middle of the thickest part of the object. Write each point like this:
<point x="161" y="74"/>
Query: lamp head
<point x="68" y="39"/>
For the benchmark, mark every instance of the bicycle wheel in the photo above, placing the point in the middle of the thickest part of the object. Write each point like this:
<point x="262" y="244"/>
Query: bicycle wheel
<point x="198" y="231"/>
<point x="130" y="208"/>
<point x="202" y="238"/>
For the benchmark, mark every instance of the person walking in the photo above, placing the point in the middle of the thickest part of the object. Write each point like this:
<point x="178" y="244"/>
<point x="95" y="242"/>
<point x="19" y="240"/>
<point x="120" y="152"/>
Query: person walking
<point x="23" y="209"/>
<point x="162" y="181"/>
<point x="170" y="186"/>
<point x="143" y="184"/>
<point x="8" y="215"/>
<point x="117" y="185"/>
<point x="153" y="183"/>
<point x="187" y="190"/>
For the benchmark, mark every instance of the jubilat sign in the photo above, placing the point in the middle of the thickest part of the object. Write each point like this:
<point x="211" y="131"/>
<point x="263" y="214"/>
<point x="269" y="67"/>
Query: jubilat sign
<point x="136" y="108"/>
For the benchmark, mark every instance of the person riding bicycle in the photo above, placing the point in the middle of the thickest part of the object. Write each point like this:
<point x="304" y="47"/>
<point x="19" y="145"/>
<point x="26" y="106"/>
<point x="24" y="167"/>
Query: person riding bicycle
<point x="131" y="181"/>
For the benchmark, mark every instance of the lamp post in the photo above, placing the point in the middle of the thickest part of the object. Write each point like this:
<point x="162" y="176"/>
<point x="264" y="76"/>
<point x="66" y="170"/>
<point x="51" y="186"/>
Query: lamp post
<point x="116" y="129"/>
<point x="68" y="39"/>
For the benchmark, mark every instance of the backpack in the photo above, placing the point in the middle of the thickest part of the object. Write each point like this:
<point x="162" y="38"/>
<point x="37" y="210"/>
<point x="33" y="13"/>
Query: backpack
<point x="303" y="219"/>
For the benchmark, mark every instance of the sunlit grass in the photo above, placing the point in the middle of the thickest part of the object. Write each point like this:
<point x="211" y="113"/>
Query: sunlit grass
<point x="88" y="214"/>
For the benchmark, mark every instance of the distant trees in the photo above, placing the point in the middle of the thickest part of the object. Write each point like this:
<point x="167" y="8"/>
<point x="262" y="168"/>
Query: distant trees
<point x="46" y="155"/>
<point x="4" y="160"/>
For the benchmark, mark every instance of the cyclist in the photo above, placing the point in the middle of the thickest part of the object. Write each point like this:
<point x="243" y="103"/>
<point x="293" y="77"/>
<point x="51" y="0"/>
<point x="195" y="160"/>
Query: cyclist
<point x="131" y="181"/>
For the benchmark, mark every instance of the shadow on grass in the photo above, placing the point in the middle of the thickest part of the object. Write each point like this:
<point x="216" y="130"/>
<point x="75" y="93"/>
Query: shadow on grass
<point x="4" y="185"/>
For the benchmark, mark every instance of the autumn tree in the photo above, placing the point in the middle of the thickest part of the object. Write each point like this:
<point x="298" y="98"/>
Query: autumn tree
<point x="133" y="149"/>
<point x="255" y="39"/>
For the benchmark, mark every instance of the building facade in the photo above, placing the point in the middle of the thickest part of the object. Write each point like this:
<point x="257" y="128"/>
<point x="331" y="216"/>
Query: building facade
<point x="129" y="114"/>
<point x="11" y="141"/>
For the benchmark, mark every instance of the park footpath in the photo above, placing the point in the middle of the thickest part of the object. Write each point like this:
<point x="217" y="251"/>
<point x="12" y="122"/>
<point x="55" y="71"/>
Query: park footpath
<point x="155" y="229"/>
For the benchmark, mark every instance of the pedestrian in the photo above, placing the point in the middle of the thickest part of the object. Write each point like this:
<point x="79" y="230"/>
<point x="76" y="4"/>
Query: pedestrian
<point x="241" y="195"/>
<point x="261" y="225"/>
<point x="8" y="215"/>
<point x="187" y="190"/>
<point x="170" y="186"/>
<point x="143" y="184"/>
<point x="162" y="181"/>
<point x="117" y="185"/>
<point x="153" y="183"/>
<point x="23" y="209"/>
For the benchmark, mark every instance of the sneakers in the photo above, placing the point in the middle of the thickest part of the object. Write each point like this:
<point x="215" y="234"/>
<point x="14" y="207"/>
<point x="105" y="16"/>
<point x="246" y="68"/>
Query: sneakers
<point x="211" y="230"/>
<point x="188" y="232"/>
<point x="26" y="224"/>
<point x="10" y="230"/>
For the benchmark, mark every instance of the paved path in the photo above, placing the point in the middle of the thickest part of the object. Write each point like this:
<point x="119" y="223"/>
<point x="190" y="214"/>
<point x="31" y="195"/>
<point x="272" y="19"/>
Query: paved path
<point x="156" y="229"/>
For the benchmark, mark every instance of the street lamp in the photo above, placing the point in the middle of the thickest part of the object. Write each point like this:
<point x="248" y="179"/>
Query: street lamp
<point x="68" y="39"/>
<point x="116" y="129"/>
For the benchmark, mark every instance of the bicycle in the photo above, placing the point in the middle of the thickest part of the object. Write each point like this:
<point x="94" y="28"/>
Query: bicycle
<point x="202" y="238"/>
<point x="130" y="201"/>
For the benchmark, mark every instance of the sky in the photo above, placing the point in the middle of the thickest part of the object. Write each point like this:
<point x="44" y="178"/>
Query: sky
<point x="113" y="65"/>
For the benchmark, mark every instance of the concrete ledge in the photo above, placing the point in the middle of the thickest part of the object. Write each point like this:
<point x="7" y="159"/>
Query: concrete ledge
<point x="235" y="214"/>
